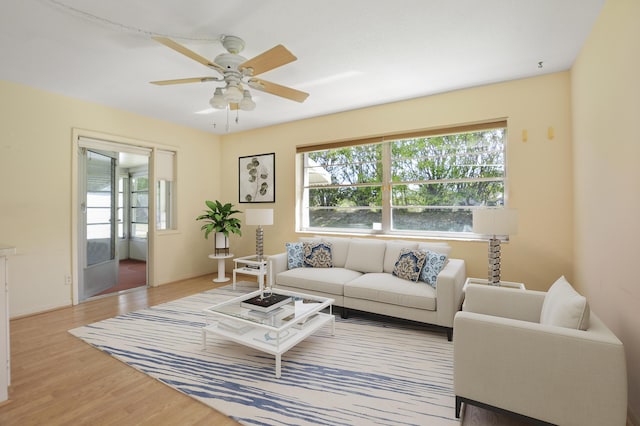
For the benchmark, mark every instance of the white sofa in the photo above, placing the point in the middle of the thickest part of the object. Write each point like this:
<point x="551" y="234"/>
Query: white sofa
<point x="541" y="355"/>
<point x="361" y="279"/>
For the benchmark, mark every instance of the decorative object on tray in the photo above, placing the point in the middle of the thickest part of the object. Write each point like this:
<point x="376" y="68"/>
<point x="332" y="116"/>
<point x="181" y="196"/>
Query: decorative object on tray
<point x="259" y="217"/>
<point x="257" y="178"/>
<point x="218" y="220"/>
<point x="495" y="222"/>
<point x="266" y="303"/>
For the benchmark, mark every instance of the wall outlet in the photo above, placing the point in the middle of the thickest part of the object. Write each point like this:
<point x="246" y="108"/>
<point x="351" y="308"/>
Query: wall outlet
<point x="67" y="279"/>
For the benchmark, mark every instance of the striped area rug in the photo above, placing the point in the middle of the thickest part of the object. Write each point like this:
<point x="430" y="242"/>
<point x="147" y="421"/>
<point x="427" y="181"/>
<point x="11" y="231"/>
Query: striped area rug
<point x="371" y="372"/>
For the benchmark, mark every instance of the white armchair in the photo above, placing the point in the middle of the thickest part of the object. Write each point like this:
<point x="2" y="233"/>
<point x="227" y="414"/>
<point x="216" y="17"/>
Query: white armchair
<point x="508" y="356"/>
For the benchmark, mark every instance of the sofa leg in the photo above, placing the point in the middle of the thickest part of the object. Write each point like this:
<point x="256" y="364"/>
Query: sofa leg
<point x="450" y="334"/>
<point x="344" y="314"/>
<point x="458" y="406"/>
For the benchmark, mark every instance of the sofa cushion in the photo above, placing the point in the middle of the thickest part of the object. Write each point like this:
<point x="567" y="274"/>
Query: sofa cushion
<point x="326" y="280"/>
<point x="385" y="288"/>
<point x="432" y="266"/>
<point x="365" y="255"/>
<point x="339" y="250"/>
<point x="295" y="253"/>
<point x="317" y="255"/>
<point x="392" y="252"/>
<point x="409" y="264"/>
<point x="565" y="307"/>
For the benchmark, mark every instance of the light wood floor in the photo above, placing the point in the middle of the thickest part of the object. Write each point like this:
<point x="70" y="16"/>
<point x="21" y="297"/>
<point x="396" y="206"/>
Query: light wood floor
<point x="57" y="379"/>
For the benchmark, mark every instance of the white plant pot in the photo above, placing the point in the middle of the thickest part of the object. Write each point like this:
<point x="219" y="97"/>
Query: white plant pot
<point x="221" y="241"/>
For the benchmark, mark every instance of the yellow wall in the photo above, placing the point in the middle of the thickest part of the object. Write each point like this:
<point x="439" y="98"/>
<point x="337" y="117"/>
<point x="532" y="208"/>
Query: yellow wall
<point x="35" y="200"/>
<point x="539" y="170"/>
<point x="606" y="112"/>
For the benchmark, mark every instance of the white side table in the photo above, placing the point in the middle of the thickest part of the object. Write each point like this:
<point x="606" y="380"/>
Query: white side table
<point x="221" y="273"/>
<point x="250" y="265"/>
<point x="481" y="281"/>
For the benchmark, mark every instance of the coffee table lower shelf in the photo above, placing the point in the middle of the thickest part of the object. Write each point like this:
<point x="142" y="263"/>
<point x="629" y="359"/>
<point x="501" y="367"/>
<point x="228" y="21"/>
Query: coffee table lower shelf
<point x="273" y="342"/>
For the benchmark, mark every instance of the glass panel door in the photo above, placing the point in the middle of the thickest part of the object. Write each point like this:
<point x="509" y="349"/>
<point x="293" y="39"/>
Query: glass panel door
<point x="101" y="264"/>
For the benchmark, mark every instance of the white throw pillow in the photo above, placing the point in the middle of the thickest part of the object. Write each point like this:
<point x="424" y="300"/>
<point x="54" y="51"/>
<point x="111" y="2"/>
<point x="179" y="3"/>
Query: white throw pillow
<point x="565" y="307"/>
<point x="365" y="255"/>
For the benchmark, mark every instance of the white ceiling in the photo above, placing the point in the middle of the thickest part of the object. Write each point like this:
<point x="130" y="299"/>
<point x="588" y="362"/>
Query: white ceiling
<point x="351" y="54"/>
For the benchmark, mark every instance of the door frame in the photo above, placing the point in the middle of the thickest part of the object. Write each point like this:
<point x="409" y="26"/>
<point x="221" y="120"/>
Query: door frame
<point x="75" y="202"/>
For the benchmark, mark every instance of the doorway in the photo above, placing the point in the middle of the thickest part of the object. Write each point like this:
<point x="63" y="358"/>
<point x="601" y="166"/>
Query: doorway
<point x="113" y="225"/>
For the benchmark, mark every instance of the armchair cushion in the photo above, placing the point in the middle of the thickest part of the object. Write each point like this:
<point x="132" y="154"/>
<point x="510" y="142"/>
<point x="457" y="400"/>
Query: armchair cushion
<point x="564" y="307"/>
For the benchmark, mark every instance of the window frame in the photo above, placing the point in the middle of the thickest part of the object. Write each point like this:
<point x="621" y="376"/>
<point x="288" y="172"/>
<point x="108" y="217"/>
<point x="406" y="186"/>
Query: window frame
<point x="387" y="183"/>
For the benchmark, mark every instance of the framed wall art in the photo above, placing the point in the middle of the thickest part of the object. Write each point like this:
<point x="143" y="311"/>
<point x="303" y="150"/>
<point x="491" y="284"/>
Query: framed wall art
<point x="257" y="180"/>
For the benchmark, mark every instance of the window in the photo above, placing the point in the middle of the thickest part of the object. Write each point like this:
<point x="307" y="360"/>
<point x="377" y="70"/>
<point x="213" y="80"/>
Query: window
<point x="423" y="184"/>
<point x="165" y="190"/>
<point x="139" y="206"/>
<point x="123" y="203"/>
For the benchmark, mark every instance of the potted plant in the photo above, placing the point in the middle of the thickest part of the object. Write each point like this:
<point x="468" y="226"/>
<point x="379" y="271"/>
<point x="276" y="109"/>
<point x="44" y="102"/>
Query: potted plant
<point x="218" y="220"/>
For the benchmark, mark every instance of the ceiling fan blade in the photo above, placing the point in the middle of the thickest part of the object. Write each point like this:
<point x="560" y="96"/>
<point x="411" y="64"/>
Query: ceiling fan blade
<point x="185" y="80"/>
<point x="188" y="53"/>
<point x="278" y="90"/>
<point x="266" y="61"/>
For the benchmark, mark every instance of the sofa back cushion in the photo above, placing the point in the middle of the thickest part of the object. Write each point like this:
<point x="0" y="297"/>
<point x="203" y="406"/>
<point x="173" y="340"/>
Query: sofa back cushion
<point x="365" y="255"/>
<point x="339" y="250"/>
<point x="392" y="252"/>
<point x="442" y="248"/>
<point x="565" y="307"/>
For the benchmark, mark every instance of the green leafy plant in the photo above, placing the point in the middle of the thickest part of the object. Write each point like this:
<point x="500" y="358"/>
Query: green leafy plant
<point x="218" y="219"/>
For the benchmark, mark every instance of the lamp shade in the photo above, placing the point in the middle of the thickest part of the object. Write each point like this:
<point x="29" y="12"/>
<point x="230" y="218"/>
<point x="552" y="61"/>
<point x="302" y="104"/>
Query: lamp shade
<point x="495" y="221"/>
<point x="258" y="216"/>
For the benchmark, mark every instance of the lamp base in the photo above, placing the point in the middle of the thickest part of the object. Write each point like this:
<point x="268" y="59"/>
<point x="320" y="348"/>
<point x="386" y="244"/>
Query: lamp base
<point x="259" y="243"/>
<point x="494" y="262"/>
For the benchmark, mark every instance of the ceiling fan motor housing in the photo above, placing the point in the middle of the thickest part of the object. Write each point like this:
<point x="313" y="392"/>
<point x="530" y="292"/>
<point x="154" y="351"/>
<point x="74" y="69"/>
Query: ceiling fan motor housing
<point x="233" y="44"/>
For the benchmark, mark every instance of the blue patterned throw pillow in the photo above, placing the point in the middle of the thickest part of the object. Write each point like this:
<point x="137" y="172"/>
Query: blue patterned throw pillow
<point x="409" y="264"/>
<point x="295" y="253"/>
<point x="432" y="267"/>
<point x="317" y="255"/>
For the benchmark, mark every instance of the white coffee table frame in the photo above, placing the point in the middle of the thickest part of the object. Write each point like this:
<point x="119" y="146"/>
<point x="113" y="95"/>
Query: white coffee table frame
<point x="268" y="333"/>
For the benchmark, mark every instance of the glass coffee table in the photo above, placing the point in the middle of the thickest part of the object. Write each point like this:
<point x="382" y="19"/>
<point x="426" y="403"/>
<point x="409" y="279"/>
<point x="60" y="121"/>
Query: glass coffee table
<point x="273" y="324"/>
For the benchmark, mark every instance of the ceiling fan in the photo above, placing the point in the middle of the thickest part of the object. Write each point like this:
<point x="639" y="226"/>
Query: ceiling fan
<point x="237" y="72"/>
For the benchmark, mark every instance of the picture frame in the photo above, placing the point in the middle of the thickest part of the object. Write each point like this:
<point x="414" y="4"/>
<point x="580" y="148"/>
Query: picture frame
<point x="256" y="178"/>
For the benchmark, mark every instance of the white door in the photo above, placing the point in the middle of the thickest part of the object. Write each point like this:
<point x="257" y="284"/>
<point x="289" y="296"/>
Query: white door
<point x="98" y="191"/>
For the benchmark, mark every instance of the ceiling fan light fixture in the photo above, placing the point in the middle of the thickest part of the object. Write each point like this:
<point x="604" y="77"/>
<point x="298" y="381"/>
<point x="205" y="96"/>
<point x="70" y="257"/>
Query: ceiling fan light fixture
<point x="247" y="104"/>
<point x="218" y="101"/>
<point x="233" y="94"/>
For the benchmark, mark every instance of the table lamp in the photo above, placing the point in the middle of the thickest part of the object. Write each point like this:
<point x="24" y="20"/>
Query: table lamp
<point x="259" y="217"/>
<point x="495" y="222"/>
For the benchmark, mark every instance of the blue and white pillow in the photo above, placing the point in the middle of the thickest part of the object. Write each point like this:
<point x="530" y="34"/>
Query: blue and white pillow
<point x="317" y="255"/>
<point x="432" y="267"/>
<point x="409" y="264"/>
<point x="295" y="254"/>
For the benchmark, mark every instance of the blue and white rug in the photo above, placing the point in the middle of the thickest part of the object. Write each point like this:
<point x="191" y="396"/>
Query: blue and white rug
<point x="369" y="373"/>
